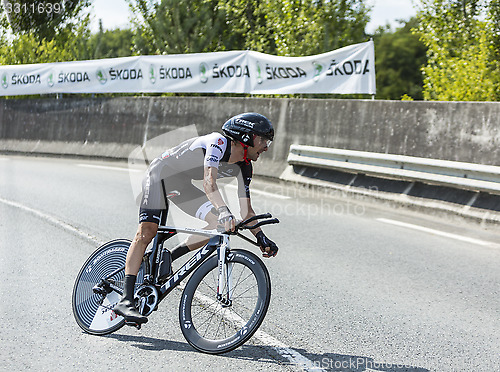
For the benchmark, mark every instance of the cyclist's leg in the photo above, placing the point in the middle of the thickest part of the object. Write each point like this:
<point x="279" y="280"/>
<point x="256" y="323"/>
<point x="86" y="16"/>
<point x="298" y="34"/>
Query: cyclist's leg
<point x="149" y="218"/>
<point x="194" y="202"/>
<point x="144" y="235"/>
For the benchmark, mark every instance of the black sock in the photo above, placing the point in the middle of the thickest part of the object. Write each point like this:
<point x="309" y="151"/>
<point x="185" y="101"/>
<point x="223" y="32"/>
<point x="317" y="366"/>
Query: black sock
<point x="179" y="251"/>
<point x="129" y="287"/>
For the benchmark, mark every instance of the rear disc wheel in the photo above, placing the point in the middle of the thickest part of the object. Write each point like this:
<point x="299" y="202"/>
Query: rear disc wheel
<point x="93" y="304"/>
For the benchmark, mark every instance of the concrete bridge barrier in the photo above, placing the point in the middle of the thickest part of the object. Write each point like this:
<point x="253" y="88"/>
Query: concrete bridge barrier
<point x="112" y="127"/>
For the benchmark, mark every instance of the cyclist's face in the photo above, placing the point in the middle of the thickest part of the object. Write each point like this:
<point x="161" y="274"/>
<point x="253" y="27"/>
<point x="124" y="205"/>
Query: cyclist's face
<point x="260" y="144"/>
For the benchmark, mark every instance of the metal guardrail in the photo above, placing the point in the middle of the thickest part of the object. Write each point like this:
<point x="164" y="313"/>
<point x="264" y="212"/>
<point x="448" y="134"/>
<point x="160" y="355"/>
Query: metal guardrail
<point x="461" y="175"/>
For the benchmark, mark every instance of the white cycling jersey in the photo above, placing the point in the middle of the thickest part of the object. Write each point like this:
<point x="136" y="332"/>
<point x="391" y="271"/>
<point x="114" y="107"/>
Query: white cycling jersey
<point x="178" y="166"/>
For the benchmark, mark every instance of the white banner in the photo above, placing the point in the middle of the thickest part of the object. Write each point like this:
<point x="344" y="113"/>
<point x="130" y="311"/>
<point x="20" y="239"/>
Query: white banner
<point x="349" y="70"/>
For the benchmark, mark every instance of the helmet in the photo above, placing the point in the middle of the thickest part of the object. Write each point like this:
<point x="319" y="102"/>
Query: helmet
<point x="242" y="127"/>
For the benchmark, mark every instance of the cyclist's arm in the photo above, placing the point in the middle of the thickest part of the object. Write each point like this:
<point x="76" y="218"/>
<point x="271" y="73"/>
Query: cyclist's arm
<point x="267" y="246"/>
<point x="210" y="187"/>
<point x="225" y="217"/>
<point x="246" y="211"/>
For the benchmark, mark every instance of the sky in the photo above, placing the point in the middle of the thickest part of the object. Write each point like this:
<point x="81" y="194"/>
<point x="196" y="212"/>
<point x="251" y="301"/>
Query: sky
<point x="115" y="13"/>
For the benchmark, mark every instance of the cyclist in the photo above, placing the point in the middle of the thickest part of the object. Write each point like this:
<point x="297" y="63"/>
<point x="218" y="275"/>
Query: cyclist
<point x="245" y="137"/>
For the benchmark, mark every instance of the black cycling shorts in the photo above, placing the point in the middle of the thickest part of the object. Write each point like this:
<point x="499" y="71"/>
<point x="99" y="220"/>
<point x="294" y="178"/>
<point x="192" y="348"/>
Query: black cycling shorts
<point x="187" y="197"/>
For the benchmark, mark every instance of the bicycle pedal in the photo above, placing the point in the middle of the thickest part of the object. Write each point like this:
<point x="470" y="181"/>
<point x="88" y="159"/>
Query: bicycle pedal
<point x="133" y="324"/>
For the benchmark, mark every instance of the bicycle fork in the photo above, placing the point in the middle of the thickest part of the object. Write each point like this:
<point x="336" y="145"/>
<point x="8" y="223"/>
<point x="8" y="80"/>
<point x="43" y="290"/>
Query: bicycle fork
<point x="224" y="285"/>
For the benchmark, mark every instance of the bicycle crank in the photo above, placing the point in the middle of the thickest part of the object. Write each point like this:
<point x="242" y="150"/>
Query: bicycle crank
<point x="146" y="299"/>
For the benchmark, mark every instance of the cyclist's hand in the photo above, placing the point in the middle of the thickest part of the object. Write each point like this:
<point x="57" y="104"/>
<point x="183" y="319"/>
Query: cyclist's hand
<point x="267" y="246"/>
<point x="226" y="218"/>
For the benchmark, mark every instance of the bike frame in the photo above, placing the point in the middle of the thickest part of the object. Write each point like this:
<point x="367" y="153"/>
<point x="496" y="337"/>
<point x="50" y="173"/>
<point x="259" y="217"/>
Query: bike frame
<point x="218" y="241"/>
<point x="151" y="261"/>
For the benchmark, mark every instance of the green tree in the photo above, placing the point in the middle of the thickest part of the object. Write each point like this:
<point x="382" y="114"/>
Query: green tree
<point x="246" y="26"/>
<point x="42" y="32"/>
<point x="42" y="18"/>
<point x="110" y="43"/>
<point x="177" y="26"/>
<point x="400" y="56"/>
<point x="70" y="44"/>
<point x="462" y="55"/>
<point x="283" y="27"/>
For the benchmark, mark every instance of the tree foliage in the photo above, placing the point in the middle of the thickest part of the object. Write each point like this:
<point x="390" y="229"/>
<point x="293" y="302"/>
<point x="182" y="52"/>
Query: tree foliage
<point x="463" y="49"/>
<point x="283" y="27"/>
<point x="42" y="18"/>
<point x="400" y="56"/>
<point x="110" y="43"/>
<point x="176" y="26"/>
<point x="70" y="44"/>
<point x="41" y="33"/>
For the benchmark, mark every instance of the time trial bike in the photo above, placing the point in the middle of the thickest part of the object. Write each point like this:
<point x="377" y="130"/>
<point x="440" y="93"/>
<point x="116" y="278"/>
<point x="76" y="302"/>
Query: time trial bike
<point x="222" y="305"/>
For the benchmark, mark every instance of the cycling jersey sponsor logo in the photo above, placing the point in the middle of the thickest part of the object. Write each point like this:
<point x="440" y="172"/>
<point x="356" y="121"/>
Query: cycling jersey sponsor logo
<point x="217" y="146"/>
<point x="220" y="141"/>
<point x="212" y="158"/>
<point x="147" y="188"/>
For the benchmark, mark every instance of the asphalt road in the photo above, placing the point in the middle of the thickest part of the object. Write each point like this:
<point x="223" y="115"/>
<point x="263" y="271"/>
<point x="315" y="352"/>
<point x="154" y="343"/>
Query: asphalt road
<point x="355" y="287"/>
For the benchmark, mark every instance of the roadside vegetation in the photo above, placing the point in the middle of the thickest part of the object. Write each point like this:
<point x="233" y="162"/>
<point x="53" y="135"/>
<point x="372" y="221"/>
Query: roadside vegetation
<point x="449" y="52"/>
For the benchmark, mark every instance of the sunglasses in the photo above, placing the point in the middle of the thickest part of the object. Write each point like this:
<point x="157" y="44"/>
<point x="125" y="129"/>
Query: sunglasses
<point x="265" y="141"/>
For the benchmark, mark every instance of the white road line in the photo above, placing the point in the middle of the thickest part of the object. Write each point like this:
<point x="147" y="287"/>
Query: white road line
<point x="264" y="193"/>
<point x="52" y="220"/>
<point x="121" y="169"/>
<point x="285" y="351"/>
<point x="288" y="353"/>
<point x="437" y="232"/>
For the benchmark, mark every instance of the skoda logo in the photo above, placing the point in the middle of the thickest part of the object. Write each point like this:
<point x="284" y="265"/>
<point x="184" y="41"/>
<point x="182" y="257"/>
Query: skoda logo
<point x="5" y="82"/>
<point x="101" y="76"/>
<point x="50" y="79"/>
<point x="318" y="68"/>
<point x="259" y="74"/>
<point x="152" y="76"/>
<point x="203" y="72"/>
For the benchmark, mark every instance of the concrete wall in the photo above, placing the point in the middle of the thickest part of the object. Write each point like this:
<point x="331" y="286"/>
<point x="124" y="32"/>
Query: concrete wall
<point x="112" y="127"/>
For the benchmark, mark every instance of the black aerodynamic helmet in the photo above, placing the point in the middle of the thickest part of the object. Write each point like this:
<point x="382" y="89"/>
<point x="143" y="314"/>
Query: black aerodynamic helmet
<point x="242" y="127"/>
